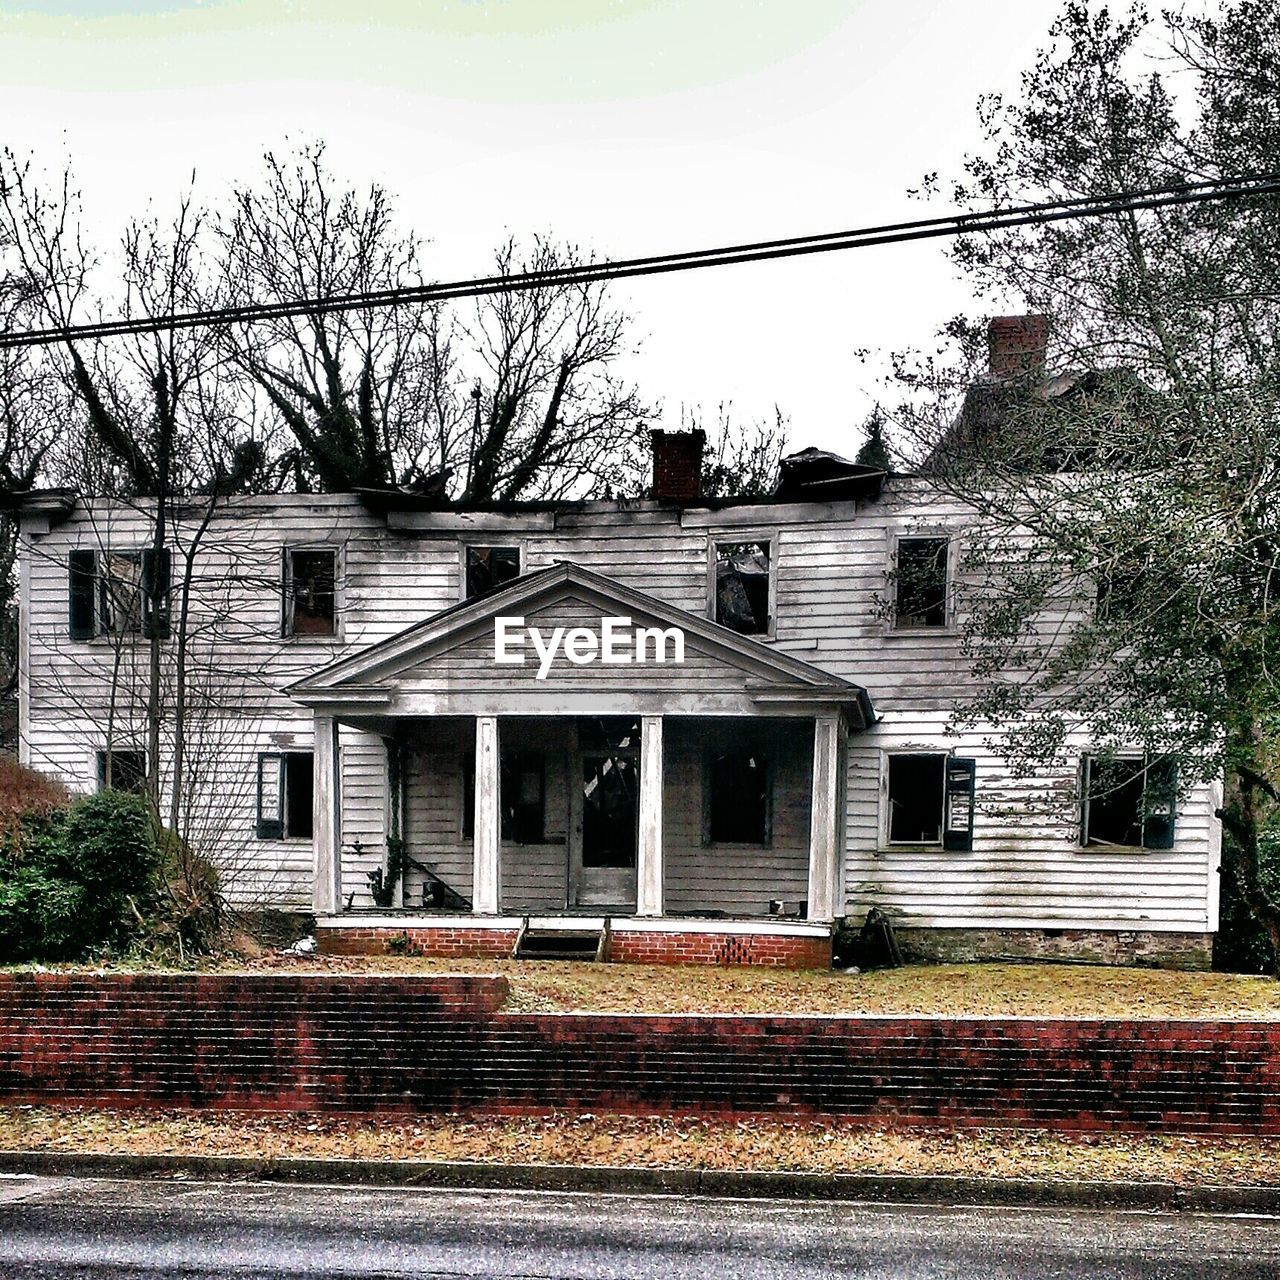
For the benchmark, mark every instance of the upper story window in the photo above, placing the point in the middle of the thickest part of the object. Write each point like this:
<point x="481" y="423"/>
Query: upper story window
<point x="920" y="583"/>
<point x="118" y="593"/>
<point x="1128" y="802"/>
<point x="310" y="591"/>
<point x="743" y="583"/>
<point x="487" y="567"/>
<point x="1130" y="585"/>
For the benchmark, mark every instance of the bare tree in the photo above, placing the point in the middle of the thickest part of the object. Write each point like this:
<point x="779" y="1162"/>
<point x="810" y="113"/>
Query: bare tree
<point x="518" y="401"/>
<point x="741" y="460"/>
<point x="1124" y="547"/>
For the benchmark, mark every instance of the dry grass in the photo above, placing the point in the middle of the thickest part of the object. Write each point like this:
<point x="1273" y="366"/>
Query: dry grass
<point x="1019" y="990"/>
<point x="653" y="1143"/>
<point x="26" y="791"/>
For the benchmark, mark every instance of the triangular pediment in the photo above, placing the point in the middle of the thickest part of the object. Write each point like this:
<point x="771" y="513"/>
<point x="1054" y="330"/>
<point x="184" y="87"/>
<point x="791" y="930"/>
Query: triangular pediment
<point x="566" y="628"/>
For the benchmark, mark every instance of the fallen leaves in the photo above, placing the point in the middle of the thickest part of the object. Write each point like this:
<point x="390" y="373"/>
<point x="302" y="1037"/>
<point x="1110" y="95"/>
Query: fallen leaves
<point x="653" y="1142"/>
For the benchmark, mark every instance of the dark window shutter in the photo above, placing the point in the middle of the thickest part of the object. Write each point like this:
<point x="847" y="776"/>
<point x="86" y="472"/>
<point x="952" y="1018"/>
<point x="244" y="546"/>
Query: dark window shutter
<point x="155" y="592"/>
<point x="286" y="592"/>
<point x="82" y="577"/>
<point x="957" y="831"/>
<point x="1159" y="803"/>
<point x="270" y="796"/>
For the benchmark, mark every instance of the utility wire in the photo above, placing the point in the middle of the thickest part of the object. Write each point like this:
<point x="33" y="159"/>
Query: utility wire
<point x="660" y="264"/>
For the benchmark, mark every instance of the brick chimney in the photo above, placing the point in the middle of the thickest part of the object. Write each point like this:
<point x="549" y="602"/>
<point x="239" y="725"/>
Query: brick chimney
<point x="1017" y="345"/>
<point x="677" y="465"/>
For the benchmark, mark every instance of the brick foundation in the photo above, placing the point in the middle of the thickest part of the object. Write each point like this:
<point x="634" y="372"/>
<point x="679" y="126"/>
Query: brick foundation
<point x="393" y="1044"/>
<point x="773" y="950"/>
<point x="381" y="940"/>
<point x="1147" y="948"/>
<point x="626" y="946"/>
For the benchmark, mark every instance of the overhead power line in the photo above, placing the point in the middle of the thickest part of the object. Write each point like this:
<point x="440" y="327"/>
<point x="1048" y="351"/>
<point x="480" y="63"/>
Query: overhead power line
<point x="620" y="269"/>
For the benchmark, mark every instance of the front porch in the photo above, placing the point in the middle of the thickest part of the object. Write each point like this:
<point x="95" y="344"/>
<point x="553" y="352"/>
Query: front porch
<point x="692" y="803"/>
<point x="678" y="837"/>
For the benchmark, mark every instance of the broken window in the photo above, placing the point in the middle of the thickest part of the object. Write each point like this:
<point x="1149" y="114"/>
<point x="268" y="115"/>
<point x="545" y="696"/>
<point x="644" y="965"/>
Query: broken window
<point x="310" y="591"/>
<point x="120" y="593"/>
<point x="742" y="572"/>
<point x="286" y="789"/>
<point x="522" y="796"/>
<point x="738" y="797"/>
<point x="122" y="770"/>
<point x="917" y="783"/>
<point x="1128" y="801"/>
<point x="489" y="567"/>
<point x="920" y="583"/>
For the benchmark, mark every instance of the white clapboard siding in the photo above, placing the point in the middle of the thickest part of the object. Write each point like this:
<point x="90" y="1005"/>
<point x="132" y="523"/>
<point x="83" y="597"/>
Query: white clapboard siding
<point x="831" y="562"/>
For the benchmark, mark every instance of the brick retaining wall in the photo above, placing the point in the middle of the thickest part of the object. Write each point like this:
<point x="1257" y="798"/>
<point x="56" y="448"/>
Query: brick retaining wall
<point x="435" y="1044"/>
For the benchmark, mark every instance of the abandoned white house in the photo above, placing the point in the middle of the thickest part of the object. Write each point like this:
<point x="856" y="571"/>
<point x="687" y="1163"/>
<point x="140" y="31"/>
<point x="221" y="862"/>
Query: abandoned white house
<point x="683" y="729"/>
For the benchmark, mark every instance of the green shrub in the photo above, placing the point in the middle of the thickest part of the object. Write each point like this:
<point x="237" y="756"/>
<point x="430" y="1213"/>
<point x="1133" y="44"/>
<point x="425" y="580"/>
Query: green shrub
<point x="76" y="879"/>
<point x="109" y="844"/>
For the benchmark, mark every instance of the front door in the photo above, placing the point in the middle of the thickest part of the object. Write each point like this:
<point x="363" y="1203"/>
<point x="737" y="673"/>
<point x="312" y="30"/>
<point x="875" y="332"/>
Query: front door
<point x="606" y="822"/>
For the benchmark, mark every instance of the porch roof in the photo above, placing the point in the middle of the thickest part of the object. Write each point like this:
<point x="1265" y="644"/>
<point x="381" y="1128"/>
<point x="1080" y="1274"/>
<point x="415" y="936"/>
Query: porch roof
<point x="473" y="658"/>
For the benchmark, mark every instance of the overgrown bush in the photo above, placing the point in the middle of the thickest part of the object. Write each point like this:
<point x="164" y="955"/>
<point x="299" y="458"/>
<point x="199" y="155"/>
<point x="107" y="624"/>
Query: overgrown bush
<point x="94" y="876"/>
<point x="78" y="878"/>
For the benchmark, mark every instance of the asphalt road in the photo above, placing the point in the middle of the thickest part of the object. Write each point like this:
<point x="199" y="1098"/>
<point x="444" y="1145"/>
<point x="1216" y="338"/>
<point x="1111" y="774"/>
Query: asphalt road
<point x="63" y="1227"/>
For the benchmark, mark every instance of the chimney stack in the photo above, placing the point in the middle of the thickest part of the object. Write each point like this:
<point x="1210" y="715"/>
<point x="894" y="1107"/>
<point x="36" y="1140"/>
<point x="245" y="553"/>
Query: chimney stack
<point x="677" y="465"/>
<point x="1017" y="345"/>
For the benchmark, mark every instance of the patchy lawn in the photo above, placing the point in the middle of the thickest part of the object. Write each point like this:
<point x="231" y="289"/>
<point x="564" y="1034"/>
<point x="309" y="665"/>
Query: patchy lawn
<point x="653" y="1143"/>
<point x="1030" y="990"/>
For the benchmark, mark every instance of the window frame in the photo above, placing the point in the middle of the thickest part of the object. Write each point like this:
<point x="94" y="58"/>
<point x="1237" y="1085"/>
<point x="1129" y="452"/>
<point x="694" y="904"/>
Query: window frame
<point x="767" y="537"/>
<point x="91" y="581"/>
<point x="100" y="768"/>
<point x="760" y="747"/>
<point x="943" y="534"/>
<point x="102" y="593"/>
<point x="466" y="809"/>
<point x="1084" y="779"/>
<point x="519" y="545"/>
<point x="261" y="826"/>
<point x="287" y="551"/>
<point x="886" y="811"/>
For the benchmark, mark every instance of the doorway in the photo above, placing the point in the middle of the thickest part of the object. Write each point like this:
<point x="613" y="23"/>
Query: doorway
<point x="605" y="790"/>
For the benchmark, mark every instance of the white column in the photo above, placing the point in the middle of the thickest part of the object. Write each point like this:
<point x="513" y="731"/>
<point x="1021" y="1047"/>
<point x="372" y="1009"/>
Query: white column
<point x="826" y="822"/>
<point x="488" y="814"/>
<point x="649" y="848"/>
<point x="326" y="817"/>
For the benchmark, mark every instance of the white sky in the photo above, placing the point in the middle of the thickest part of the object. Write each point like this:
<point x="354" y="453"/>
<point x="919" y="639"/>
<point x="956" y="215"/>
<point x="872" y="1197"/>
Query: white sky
<point x="626" y="126"/>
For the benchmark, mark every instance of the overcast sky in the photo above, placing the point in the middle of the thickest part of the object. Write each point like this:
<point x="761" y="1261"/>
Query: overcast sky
<point x="626" y="126"/>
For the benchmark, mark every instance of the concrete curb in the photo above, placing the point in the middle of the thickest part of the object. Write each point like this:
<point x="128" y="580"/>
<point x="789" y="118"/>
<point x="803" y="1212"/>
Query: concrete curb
<point x="875" y="1188"/>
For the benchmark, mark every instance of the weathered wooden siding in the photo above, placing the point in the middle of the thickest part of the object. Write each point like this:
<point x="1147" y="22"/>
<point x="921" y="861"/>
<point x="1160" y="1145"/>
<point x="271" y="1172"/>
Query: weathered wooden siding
<point x="735" y="879"/>
<point x="435" y="755"/>
<point x="831" y="562"/>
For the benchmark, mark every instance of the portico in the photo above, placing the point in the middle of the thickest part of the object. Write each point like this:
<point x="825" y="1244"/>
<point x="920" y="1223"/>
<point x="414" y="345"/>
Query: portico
<point x="666" y="775"/>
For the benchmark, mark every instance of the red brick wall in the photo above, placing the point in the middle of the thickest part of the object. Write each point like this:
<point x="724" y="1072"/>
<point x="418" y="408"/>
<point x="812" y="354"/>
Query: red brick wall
<point x="438" y="1044"/>
<point x="625" y="946"/>
<point x="646" y="947"/>
<point x="677" y="465"/>
<point x="384" y="940"/>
